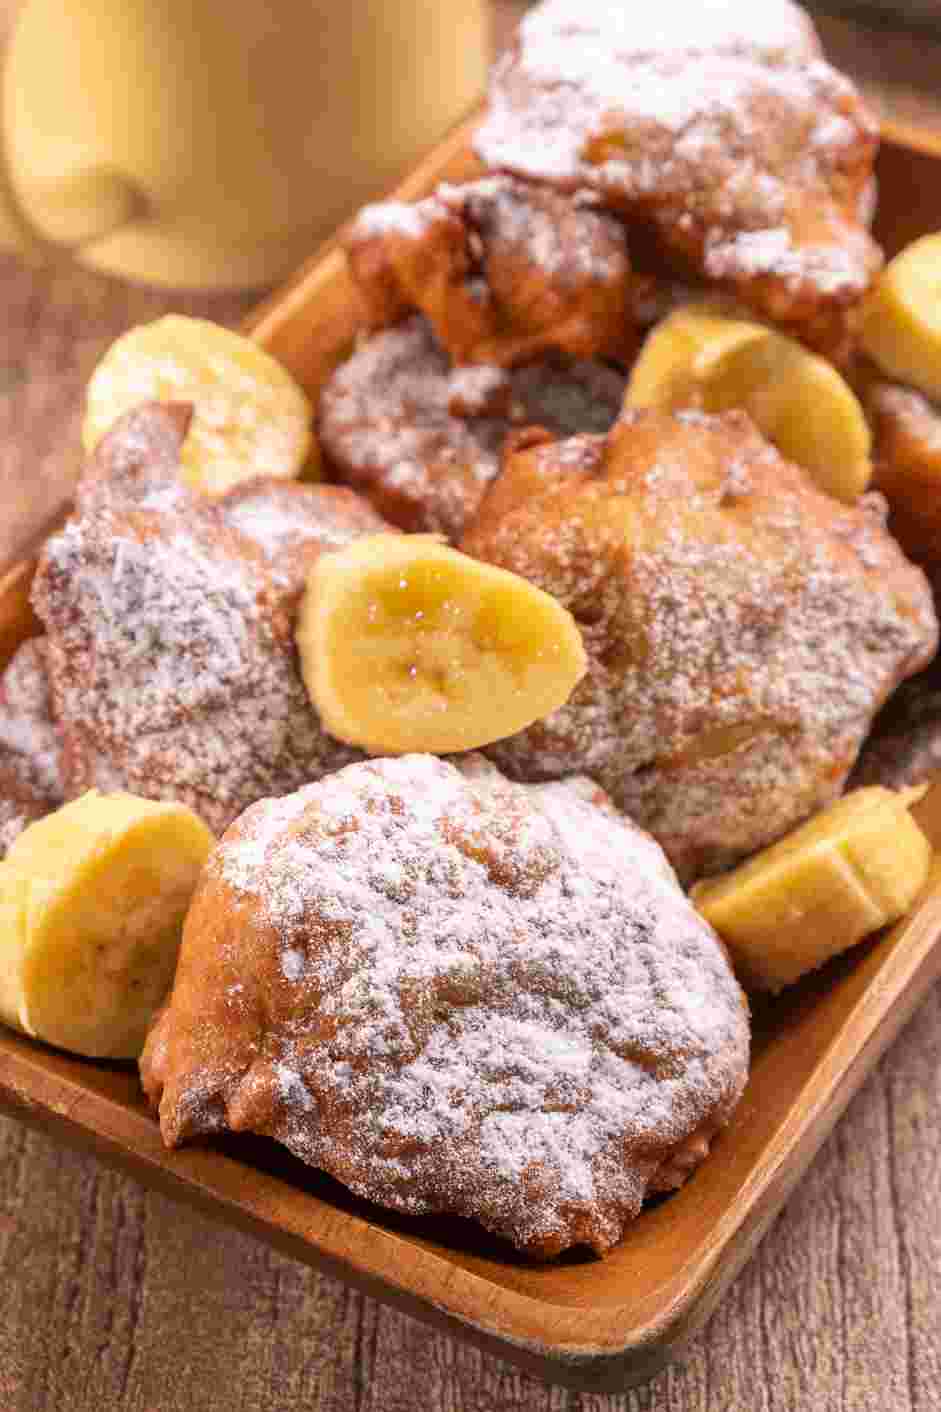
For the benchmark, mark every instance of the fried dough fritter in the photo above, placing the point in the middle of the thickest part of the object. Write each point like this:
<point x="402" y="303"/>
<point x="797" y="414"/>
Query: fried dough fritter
<point x="170" y="639"/>
<point x="719" y="127"/>
<point x="742" y="627"/>
<point x="422" y="440"/>
<point x="504" y="271"/>
<point x="292" y="524"/>
<point x="906" y="429"/>
<point x="456" y="994"/>
<point x="31" y="782"/>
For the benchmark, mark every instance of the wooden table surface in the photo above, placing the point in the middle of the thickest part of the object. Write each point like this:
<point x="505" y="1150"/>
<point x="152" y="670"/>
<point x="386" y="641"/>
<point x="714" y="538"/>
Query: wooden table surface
<point x="115" y="1298"/>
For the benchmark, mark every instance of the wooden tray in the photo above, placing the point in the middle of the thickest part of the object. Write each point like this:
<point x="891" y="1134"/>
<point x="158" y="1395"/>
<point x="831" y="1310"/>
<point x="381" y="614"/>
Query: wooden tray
<point x="588" y="1323"/>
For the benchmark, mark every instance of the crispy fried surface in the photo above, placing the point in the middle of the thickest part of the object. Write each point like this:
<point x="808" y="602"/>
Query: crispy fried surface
<point x="504" y="271"/>
<point x="31" y="782"/>
<point x="722" y="130"/>
<point x="742" y="628"/>
<point x="422" y="440"/>
<point x="454" y="994"/>
<point x="906" y="430"/>
<point x="170" y="640"/>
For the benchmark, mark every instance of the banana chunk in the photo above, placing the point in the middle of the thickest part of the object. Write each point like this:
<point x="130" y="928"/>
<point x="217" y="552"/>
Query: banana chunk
<point x="847" y="872"/>
<point x="250" y="417"/>
<point x="680" y="354"/>
<point x="408" y="645"/>
<point x="901" y="327"/>
<point x="700" y="358"/>
<point x="92" y="902"/>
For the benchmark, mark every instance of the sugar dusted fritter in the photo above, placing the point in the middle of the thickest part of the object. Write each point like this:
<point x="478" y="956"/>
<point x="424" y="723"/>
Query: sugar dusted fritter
<point x="504" y="271"/>
<point x="31" y="782"/>
<point x="718" y="125"/>
<point x="906" y="428"/>
<point x="138" y="463"/>
<point x="292" y="524"/>
<point x="422" y="440"/>
<point x="170" y="640"/>
<point x="742" y="628"/>
<point x="454" y="994"/>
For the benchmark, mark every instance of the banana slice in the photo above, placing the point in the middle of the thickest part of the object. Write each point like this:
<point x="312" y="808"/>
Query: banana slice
<point x="251" y="418"/>
<point x="92" y="901"/>
<point x="408" y="645"/>
<point x="901" y="326"/>
<point x="699" y="358"/>
<point x="680" y="354"/>
<point x="847" y="872"/>
<point x="801" y="403"/>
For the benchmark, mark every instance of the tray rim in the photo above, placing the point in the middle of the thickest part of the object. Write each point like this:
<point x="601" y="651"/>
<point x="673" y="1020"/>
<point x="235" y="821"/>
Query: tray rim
<point x="351" y="1248"/>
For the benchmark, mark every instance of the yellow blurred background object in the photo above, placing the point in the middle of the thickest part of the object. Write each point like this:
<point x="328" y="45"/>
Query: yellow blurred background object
<point x="188" y="143"/>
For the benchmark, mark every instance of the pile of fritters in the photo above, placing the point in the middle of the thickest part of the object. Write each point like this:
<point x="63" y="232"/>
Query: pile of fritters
<point x="458" y="989"/>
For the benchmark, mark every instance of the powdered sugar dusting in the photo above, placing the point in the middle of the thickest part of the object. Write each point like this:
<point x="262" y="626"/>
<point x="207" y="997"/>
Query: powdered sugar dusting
<point x="480" y="390"/>
<point x="14" y="818"/>
<point x="406" y="218"/>
<point x="31" y="782"/>
<point x="742" y="629"/>
<point x="294" y="524"/>
<point x="505" y="271"/>
<point x="572" y="242"/>
<point x="388" y="421"/>
<point x="507" y="1009"/>
<point x="776" y="29"/>
<point x="172" y="660"/>
<point x="907" y="428"/>
<point x="719" y="123"/>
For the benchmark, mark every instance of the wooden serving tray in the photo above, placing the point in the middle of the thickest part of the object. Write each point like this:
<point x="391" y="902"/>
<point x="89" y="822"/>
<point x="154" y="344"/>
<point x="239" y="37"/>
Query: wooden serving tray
<point x="587" y="1323"/>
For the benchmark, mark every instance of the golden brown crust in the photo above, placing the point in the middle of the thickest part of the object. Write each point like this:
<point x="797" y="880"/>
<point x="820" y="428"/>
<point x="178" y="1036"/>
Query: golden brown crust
<point x="906" y="430"/>
<point x="747" y="155"/>
<point x="171" y="651"/>
<point x="742" y="628"/>
<point x="504" y="271"/>
<point x="454" y="994"/>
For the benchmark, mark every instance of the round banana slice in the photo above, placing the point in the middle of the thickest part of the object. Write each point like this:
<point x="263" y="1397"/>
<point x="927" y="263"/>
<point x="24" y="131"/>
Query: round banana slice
<point x="700" y="358"/>
<point x="250" y="416"/>
<point x="901" y="326"/>
<point x="92" y="902"/>
<point x="850" y="870"/>
<point x="408" y="645"/>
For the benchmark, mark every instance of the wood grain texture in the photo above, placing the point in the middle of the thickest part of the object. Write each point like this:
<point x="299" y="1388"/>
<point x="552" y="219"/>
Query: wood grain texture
<point x="113" y="1298"/>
